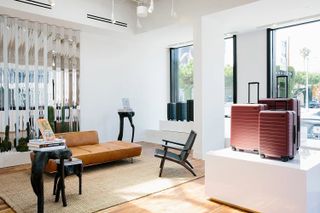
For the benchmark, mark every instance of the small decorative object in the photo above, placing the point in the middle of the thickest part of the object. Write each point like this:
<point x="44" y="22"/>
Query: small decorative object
<point x="125" y="106"/>
<point x="51" y="117"/>
<point x="23" y="142"/>
<point x="181" y="111"/>
<point x="171" y="112"/>
<point x="6" y="144"/>
<point x="65" y="119"/>
<point x="46" y="130"/>
<point x="1" y="147"/>
<point x="190" y="112"/>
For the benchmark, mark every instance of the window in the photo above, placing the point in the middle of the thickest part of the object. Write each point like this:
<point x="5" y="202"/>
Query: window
<point x="230" y="82"/>
<point x="181" y="74"/>
<point x="230" y="73"/>
<point x="295" y="52"/>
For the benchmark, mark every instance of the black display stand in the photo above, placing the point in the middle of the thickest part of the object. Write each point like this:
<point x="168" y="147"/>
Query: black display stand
<point x="38" y="165"/>
<point x="123" y="115"/>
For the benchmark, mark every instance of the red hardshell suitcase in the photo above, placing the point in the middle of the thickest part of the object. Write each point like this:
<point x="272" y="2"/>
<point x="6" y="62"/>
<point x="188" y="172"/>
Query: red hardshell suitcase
<point x="244" y="125"/>
<point x="277" y="134"/>
<point x="291" y="104"/>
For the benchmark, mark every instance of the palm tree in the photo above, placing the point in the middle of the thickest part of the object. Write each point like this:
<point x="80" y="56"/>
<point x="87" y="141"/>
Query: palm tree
<point x="305" y="52"/>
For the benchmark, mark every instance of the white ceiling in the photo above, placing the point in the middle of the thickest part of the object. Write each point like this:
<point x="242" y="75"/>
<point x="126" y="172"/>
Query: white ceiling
<point x="236" y="15"/>
<point x="267" y="13"/>
<point x="187" y="11"/>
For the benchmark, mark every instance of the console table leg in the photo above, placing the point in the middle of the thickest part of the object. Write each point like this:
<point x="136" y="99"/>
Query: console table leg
<point x="132" y="126"/>
<point x="121" y="129"/>
<point x="40" y="201"/>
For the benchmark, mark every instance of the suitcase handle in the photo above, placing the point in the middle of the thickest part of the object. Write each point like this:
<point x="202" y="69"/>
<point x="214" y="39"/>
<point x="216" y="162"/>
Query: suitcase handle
<point x="275" y="104"/>
<point x="249" y="87"/>
<point x="287" y="85"/>
<point x="294" y="134"/>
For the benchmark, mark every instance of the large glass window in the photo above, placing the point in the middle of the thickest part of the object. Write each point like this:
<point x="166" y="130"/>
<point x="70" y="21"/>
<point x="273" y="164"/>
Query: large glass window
<point x="181" y="74"/>
<point x="230" y="82"/>
<point x="230" y="68"/>
<point x="296" y="54"/>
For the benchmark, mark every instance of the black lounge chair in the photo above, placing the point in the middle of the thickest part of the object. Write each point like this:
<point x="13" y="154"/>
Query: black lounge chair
<point x="180" y="158"/>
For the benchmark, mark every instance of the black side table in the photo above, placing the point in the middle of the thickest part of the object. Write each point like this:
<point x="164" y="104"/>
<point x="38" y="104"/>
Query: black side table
<point x="123" y="115"/>
<point x="38" y="165"/>
<point x="70" y="167"/>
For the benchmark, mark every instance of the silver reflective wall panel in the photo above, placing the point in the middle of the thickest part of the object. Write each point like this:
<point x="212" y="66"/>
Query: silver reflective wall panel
<point x="39" y="76"/>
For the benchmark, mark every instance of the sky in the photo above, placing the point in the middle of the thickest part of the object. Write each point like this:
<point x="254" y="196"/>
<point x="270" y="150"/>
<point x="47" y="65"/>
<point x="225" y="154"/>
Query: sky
<point x="228" y="57"/>
<point x="306" y="35"/>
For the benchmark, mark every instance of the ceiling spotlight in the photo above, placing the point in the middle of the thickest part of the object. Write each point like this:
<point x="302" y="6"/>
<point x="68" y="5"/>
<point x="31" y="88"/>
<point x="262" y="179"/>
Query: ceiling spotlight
<point x="151" y="7"/>
<point x="52" y="2"/>
<point x="142" y="11"/>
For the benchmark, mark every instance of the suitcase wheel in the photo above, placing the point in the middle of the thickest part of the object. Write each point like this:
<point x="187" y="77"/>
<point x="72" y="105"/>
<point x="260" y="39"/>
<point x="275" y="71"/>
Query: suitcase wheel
<point x="233" y="148"/>
<point x="290" y="158"/>
<point x="262" y="156"/>
<point x="285" y="159"/>
<point x="241" y="150"/>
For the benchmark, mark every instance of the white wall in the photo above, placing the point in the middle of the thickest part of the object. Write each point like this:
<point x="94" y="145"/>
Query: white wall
<point x="136" y="67"/>
<point x="209" y="85"/>
<point x="252" y="65"/>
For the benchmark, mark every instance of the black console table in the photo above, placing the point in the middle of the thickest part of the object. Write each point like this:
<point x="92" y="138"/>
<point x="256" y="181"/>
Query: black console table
<point x="38" y="164"/>
<point x="123" y="115"/>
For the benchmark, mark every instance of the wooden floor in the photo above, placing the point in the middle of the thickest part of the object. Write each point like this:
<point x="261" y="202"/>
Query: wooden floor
<point x="4" y="208"/>
<point x="187" y="198"/>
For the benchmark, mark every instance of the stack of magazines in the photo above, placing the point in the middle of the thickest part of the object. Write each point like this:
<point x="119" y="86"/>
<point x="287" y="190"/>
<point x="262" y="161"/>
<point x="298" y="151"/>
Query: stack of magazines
<point x="46" y="145"/>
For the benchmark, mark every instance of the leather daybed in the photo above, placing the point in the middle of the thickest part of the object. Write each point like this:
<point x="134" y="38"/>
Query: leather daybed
<point x="85" y="146"/>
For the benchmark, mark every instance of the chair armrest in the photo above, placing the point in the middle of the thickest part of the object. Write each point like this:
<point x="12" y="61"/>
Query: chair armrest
<point x="176" y="143"/>
<point x="172" y="147"/>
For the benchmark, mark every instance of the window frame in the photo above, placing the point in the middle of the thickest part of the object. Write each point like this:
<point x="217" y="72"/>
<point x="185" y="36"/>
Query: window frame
<point x="174" y="68"/>
<point x="174" y="81"/>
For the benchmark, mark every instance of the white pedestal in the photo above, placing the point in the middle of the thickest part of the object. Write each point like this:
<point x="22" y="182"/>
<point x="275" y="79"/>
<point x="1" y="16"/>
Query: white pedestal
<point x="176" y="126"/>
<point x="264" y="185"/>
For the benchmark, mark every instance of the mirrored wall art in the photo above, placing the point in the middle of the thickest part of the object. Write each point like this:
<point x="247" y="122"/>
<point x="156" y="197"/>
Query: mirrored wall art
<point x="39" y="78"/>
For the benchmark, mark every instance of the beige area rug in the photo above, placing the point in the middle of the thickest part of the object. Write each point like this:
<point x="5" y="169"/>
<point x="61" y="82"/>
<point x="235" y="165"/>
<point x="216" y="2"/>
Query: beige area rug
<point x="103" y="186"/>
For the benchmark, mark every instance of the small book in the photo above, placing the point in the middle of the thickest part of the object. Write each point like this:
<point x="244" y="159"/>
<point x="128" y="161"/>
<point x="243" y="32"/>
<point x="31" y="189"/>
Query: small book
<point x="46" y="130"/>
<point x="46" y="149"/>
<point x="45" y="145"/>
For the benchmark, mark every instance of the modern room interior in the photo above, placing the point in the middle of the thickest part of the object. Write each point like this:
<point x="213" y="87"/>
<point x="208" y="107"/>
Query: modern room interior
<point x="148" y="100"/>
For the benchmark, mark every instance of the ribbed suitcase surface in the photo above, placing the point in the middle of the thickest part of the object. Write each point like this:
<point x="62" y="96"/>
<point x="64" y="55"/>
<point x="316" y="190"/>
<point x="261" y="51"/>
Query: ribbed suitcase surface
<point x="244" y="126"/>
<point x="277" y="134"/>
<point x="291" y="104"/>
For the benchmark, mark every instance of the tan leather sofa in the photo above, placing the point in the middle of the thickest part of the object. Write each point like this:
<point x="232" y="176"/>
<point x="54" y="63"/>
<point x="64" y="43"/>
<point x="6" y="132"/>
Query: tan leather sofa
<point x="85" y="146"/>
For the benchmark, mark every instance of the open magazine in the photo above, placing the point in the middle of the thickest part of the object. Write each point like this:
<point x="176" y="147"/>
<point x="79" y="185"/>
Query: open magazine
<point x="46" y="130"/>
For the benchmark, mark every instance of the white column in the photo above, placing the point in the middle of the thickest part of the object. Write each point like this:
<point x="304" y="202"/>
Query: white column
<point x="209" y="85"/>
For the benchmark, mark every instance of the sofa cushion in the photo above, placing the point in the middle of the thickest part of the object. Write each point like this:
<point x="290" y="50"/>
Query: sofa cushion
<point x="80" y="138"/>
<point x="101" y="153"/>
<point x="110" y="151"/>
